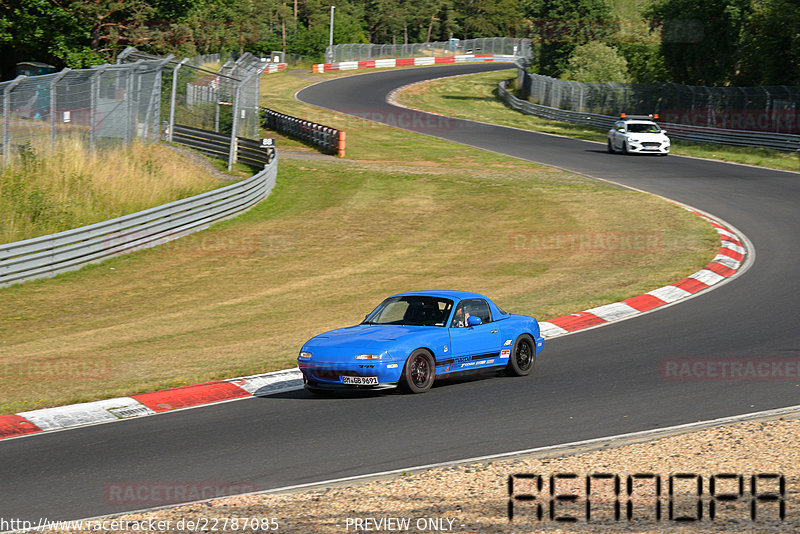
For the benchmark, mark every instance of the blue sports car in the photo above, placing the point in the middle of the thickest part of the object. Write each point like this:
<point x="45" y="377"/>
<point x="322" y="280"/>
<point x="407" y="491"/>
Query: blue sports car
<point x="411" y="339"/>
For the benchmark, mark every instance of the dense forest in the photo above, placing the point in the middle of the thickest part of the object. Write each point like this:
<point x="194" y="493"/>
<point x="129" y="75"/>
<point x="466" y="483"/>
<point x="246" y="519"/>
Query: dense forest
<point x="713" y="42"/>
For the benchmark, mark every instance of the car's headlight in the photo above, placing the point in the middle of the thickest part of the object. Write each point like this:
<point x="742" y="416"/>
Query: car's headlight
<point x="368" y="357"/>
<point x="633" y="140"/>
<point x="304" y="355"/>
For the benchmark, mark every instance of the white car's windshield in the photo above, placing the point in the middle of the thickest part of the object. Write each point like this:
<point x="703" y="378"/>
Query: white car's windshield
<point x="411" y="310"/>
<point x="639" y="127"/>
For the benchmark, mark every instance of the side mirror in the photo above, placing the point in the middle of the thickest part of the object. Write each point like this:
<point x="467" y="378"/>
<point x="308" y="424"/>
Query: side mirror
<point x="473" y="320"/>
<point x="663" y="131"/>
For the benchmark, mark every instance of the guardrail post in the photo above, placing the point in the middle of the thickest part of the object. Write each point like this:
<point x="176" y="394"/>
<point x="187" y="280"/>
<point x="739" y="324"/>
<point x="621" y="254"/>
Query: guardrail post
<point x="7" y="117"/>
<point x="173" y="96"/>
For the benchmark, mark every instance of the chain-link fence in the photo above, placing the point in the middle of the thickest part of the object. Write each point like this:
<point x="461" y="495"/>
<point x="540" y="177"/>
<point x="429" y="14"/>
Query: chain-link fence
<point x="203" y="92"/>
<point x="108" y="102"/>
<point x="506" y="46"/>
<point x="765" y="109"/>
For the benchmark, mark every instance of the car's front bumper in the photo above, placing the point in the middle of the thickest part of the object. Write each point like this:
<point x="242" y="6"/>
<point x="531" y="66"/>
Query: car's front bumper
<point x="329" y="374"/>
<point x="644" y="148"/>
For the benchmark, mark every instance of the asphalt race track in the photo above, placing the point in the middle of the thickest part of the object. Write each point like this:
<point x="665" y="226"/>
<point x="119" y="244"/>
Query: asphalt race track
<point x="598" y="383"/>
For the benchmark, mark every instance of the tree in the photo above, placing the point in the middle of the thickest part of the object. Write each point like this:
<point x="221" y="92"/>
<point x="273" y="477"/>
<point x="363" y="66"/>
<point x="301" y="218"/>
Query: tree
<point x="559" y="26"/>
<point x="701" y="40"/>
<point x="770" y="44"/>
<point x="596" y="62"/>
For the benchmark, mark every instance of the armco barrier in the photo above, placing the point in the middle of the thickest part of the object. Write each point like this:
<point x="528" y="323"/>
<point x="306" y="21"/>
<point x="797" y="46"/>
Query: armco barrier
<point x="218" y="145"/>
<point x="65" y="251"/>
<point x="686" y="132"/>
<point x="328" y="139"/>
<point x="409" y="62"/>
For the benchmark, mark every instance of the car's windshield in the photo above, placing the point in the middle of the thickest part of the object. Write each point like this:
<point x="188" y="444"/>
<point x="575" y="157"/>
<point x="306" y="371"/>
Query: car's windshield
<point x="643" y="127"/>
<point x="411" y="310"/>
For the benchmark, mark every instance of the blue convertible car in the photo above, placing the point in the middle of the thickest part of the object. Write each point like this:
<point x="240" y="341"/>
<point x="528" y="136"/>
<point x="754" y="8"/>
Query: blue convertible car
<point x="411" y="339"/>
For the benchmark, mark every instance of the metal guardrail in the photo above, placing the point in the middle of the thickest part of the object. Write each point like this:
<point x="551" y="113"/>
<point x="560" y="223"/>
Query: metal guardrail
<point x="49" y="255"/>
<point x="328" y="139"/>
<point x="697" y="134"/>
<point x="218" y="145"/>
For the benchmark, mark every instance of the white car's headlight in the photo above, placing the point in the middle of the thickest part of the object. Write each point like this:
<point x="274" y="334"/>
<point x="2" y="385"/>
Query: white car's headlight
<point x="368" y="357"/>
<point x="305" y="355"/>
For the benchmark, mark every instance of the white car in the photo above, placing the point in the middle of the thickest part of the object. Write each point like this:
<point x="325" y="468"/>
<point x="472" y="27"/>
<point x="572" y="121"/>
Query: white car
<point x="638" y="135"/>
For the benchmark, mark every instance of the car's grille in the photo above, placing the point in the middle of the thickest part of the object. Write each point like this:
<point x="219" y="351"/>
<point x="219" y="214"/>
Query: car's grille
<point x="332" y="374"/>
<point x="652" y="144"/>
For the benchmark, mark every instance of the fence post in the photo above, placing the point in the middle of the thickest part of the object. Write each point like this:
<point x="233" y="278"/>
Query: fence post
<point x="94" y="101"/>
<point x="7" y="117"/>
<point x="237" y="98"/>
<point x="153" y="114"/>
<point x="173" y="96"/>
<point x="53" y="101"/>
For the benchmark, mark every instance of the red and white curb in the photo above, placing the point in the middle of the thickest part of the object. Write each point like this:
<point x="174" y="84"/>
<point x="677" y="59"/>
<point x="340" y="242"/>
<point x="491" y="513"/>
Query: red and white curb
<point x="408" y="62"/>
<point x="728" y="262"/>
<point x="725" y="264"/>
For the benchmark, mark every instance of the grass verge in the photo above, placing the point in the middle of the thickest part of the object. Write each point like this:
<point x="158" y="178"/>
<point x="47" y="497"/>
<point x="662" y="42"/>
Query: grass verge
<point x="49" y="189"/>
<point x="475" y="97"/>
<point x="333" y="239"/>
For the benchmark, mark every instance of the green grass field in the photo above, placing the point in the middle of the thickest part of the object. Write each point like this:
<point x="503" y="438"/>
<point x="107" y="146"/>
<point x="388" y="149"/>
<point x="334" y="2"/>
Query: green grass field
<point x="402" y="212"/>
<point x="475" y="97"/>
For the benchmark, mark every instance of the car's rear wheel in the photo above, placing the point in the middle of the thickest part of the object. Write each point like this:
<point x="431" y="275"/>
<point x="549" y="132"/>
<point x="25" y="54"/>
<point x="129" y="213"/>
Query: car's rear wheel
<point x="522" y="358"/>
<point x="419" y="372"/>
<point x="610" y="147"/>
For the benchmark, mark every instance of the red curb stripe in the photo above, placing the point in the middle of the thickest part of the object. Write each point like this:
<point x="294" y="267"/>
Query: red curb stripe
<point x="183" y="397"/>
<point x="405" y="62"/>
<point x="14" y="425"/>
<point x="692" y="285"/>
<point x="725" y="251"/>
<point x="720" y="269"/>
<point x="644" y="302"/>
<point x="369" y="64"/>
<point x="444" y="59"/>
<point x="577" y="321"/>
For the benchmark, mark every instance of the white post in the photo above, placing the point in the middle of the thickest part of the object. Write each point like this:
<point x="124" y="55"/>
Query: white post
<point x="330" y="40"/>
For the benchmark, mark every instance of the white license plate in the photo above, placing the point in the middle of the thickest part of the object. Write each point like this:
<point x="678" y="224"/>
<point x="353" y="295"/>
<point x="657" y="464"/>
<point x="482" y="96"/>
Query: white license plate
<point x="360" y="380"/>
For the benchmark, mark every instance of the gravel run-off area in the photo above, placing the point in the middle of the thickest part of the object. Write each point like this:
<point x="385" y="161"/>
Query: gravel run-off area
<point x="475" y="497"/>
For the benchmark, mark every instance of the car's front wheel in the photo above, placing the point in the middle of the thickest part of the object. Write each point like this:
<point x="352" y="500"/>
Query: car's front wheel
<point x="522" y="358"/>
<point x="625" y="148"/>
<point x="610" y="147"/>
<point x="419" y="372"/>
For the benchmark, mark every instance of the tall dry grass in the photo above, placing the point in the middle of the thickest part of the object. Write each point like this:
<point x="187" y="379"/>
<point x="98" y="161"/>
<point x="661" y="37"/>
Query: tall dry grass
<point x="47" y="189"/>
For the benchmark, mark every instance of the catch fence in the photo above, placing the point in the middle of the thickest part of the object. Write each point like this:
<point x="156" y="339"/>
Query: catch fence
<point x="765" y="109"/>
<point x="508" y="46"/>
